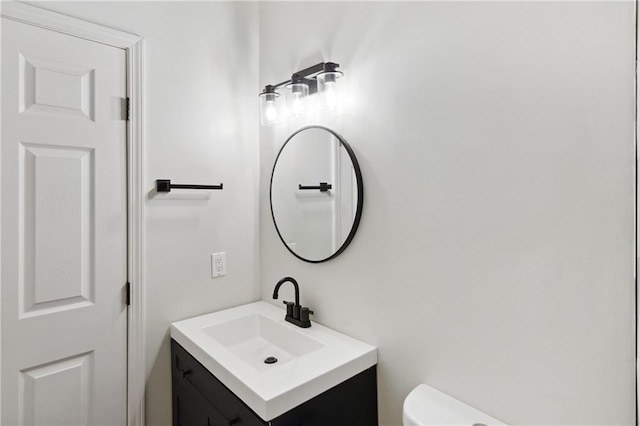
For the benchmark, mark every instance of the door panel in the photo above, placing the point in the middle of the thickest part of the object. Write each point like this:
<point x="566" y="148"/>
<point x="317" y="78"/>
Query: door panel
<point x="56" y="88"/>
<point x="63" y="254"/>
<point x="56" y="189"/>
<point x="56" y="393"/>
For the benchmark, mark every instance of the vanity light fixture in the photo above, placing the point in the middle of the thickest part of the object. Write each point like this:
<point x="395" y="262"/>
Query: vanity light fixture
<point x="321" y="78"/>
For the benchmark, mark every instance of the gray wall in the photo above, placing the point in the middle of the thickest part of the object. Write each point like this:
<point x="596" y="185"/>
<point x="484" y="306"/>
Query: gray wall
<point x="494" y="259"/>
<point x="201" y="64"/>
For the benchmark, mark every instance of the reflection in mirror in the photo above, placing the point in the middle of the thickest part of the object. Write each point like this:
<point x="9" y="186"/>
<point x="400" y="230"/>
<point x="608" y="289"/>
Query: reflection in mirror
<point x="316" y="194"/>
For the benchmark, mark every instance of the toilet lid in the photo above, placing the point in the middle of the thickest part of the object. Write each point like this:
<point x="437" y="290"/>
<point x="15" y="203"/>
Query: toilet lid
<point x="428" y="406"/>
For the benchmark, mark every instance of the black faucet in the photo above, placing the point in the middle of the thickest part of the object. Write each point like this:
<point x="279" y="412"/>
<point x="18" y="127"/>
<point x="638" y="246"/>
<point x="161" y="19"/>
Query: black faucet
<point x="295" y="313"/>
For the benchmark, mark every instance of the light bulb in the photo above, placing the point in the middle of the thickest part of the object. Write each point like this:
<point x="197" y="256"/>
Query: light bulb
<point x="296" y="105"/>
<point x="330" y="96"/>
<point x="268" y="107"/>
<point x="329" y="85"/>
<point x="296" y="94"/>
<point x="270" y="112"/>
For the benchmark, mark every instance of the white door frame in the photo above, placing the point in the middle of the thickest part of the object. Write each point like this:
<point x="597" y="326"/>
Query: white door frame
<point x="637" y="208"/>
<point x="133" y="45"/>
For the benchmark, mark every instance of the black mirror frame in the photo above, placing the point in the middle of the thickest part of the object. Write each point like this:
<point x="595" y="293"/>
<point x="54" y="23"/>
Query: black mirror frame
<point x="358" y="173"/>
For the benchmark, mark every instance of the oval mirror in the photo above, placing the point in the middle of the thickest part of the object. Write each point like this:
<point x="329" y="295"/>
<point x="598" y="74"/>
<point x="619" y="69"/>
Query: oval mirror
<point x="316" y="194"/>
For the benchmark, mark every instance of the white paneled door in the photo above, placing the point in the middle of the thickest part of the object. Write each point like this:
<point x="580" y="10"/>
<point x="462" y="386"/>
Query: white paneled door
<point x="63" y="210"/>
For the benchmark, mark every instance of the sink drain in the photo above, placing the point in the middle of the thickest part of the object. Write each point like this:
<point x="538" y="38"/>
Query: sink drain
<point x="270" y="360"/>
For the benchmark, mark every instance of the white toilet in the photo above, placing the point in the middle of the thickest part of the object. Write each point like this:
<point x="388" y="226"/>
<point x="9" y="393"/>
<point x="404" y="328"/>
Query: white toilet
<point x="428" y="406"/>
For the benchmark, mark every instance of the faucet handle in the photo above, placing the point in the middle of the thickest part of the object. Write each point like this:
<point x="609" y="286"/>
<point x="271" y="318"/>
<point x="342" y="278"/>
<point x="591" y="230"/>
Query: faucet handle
<point x="289" y="308"/>
<point x="304" y="314"/>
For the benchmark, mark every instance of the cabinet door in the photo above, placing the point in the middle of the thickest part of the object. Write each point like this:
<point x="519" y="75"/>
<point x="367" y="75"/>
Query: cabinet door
<point x="214" y="400"/>
<point x="353" y="402"/>
<point x="189" y="409"/>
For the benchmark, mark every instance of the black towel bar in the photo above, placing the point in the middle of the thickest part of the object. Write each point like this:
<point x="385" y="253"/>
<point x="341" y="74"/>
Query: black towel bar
<point x="165" y="185"/>
<point x="323" y="187"/>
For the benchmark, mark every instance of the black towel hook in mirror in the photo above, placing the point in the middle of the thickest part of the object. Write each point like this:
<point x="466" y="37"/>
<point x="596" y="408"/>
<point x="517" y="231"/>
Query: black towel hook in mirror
<point x="165" y="185"/>
<point x="323" y="187"/>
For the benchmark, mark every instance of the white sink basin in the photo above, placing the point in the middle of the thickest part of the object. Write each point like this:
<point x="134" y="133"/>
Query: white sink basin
<point x="254" y="338"/>
<point x="233" y="345"/>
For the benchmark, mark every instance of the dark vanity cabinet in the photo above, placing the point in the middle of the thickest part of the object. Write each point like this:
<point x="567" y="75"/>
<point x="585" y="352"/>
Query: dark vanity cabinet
<point x="199" y="398"/>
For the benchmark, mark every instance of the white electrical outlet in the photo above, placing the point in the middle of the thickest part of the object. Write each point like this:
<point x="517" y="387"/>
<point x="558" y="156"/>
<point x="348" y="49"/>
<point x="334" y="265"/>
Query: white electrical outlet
<point x="218" y="264"/>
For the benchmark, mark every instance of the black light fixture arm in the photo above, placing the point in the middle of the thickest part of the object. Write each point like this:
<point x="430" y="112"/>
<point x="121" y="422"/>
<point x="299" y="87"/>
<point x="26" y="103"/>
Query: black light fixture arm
<point x="275" y="86"/>
<point x="165" y="185"/>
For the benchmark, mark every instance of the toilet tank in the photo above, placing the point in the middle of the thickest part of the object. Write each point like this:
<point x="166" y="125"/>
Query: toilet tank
<point x="428" y="406"/>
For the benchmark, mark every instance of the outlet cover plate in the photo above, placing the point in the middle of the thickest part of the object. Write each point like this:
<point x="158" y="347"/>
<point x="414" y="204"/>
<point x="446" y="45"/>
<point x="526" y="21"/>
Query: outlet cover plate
<point x="218" y="264"/>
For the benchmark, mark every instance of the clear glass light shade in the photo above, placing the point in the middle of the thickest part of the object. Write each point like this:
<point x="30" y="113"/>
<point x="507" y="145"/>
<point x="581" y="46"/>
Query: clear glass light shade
<point x="268" y="109"/>
<point x="330" y="89"/>
<point x="296" y="98"/>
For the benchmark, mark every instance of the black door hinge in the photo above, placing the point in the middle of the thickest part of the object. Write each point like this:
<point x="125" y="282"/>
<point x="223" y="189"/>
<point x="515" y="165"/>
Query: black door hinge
<point x="128" y="111"/>
<point x="128" y="293"/>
